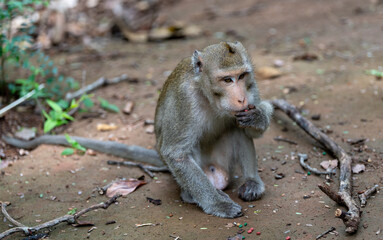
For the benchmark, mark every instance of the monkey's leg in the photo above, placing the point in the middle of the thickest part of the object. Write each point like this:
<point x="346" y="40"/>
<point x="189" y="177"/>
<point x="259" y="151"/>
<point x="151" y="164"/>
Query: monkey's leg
<point x="253" y="187"/>
<point x="197" y="187"/>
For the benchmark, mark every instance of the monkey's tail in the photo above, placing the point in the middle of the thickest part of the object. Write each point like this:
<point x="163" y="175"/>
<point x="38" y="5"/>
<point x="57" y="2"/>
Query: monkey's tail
<point x="131" y="152"/>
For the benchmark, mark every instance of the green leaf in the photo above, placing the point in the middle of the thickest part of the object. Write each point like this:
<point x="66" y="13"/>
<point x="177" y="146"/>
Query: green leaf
<point x="67" y="151"/>
<point x="67" y="116"/>
<point x="54" y="106"/>
<point x="88" y="102"/>
<point x="72" y="212"/>
<point x="49" y="125"/>
<point x="108" y="106"/>
<point x="74" y="104"/>
<point x="70" y="140"/>
<point x="46" y="115"/>
<point x="74" y="143"/>
<point x="375" y="73"/>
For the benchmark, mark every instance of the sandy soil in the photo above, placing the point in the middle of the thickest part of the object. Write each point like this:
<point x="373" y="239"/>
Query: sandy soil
<point x="346" y="35"/>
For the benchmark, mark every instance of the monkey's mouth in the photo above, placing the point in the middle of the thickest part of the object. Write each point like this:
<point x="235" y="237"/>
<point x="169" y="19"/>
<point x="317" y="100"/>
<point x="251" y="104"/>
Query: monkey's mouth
<point x="249" y="107"/>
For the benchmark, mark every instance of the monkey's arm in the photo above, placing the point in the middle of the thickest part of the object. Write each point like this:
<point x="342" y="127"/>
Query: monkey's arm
<point x="131" y="152"/>
<point x="256" y="120"/>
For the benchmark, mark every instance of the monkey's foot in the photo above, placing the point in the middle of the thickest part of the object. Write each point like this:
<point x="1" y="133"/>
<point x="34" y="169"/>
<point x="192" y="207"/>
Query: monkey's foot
<point x="223" y="207"/>
<point x="186" y="197"/>
<point x="251" y="190"/>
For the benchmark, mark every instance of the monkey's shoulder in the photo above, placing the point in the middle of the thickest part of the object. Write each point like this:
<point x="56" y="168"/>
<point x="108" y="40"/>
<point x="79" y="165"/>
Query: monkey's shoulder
<point x="182" y="72"/>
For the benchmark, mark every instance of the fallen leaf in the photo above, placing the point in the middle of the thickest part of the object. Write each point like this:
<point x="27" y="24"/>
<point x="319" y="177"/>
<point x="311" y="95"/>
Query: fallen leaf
<point x="106" y="127"/>
<point x="329" y="164"/>
<point x="268" y="73"/>
<point x="124" y="187"/>
<point x="358" y="168"/>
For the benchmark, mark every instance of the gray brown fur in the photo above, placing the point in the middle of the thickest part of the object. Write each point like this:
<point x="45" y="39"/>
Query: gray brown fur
<point x="195" y="127"/>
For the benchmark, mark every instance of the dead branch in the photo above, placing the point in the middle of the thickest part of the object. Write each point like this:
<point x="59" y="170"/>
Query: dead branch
<point x="303" y="158"/>
<point x="353" y="215"/>
<point x="93" y="86"/>
<point x="70" y="219"/>
<point x="364" y="196"/>
<point x="146" y="168"/>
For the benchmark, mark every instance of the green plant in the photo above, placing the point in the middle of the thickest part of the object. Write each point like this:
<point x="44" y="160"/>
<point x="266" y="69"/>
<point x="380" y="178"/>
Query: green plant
<point x="376" y="73"/>
<point x="72" y="211"/>
<point x="56" y="117"/>
<point x="75" y="146"/>
<point x="15" y="53"/>
<point x="59" y="115"/>
<point x="108" y="106"/>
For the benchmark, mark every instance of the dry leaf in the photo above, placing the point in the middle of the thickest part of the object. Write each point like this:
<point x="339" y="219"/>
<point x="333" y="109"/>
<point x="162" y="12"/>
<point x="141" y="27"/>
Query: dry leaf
<point x="358" y="168"/>
<point x="268" y="73"/>
<point x="329" y="164"/>
<point x="106" y="127"/>
<point x="124" y="187"/>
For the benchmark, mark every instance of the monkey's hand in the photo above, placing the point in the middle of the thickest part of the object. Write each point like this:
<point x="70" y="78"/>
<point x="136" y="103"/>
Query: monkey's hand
<point x="256" y="117"/>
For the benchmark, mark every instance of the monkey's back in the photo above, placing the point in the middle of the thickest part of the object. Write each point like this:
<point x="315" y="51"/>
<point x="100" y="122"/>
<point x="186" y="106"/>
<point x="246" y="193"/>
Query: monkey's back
<point x="171" y="117"/>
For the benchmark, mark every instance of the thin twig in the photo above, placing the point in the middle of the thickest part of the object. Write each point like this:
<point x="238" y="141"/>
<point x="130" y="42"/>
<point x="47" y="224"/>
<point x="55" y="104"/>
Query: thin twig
<point x="20" y="100"/>
<point x="93" y="86"/>
<point x="345" y="177"/>
<point x="70" y="219"/>
<point x="7" y="216"/>
<point x="323" y="234"/>
<point x="146" y="168"/>
<point x="303" y="158"/>
<point x="364" y="196"/>
<point x="280" y="139"/>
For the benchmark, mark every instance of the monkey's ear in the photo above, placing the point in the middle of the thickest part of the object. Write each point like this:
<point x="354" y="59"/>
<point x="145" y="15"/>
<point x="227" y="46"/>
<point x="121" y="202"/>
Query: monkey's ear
<point x="197" y="61"/>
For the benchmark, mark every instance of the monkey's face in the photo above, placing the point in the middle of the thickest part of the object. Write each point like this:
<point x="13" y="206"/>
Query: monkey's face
<point x="233" y="90"/>
<point x="226" y="77"/>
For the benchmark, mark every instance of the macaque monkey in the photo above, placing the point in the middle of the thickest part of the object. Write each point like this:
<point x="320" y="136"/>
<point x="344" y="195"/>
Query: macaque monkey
<point x="210" y="108"/>
<point x="207" y="115"/>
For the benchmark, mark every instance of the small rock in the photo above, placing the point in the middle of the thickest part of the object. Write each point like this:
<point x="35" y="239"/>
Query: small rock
<point x="26" y="133"/>
<point x="91" y="152"/>
<point x="128" y="107"/>
<point x="150" y="129"/>
<point x="316" y="117"/>
<point x="23" y="152"/>
<point x="149" y="122"/>
<point x="279" y="175"/>
<point x="278" y="63"/>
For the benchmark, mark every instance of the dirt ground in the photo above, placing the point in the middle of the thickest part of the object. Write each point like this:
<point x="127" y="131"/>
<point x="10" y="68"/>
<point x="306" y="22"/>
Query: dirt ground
<point x="347" y="37"/>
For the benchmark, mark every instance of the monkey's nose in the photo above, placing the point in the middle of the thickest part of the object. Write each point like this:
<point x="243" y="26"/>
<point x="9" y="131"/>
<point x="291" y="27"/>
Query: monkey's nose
<point x="242" y="101"/>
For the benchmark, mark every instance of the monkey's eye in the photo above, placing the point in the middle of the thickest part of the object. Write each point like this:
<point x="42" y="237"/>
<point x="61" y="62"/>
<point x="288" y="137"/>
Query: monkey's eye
<point x="242" y="76"/>
<point x="227" y="79"/>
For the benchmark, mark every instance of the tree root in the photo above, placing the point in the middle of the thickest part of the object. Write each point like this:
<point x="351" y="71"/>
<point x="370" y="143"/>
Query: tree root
<point x="351" y="219"/>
